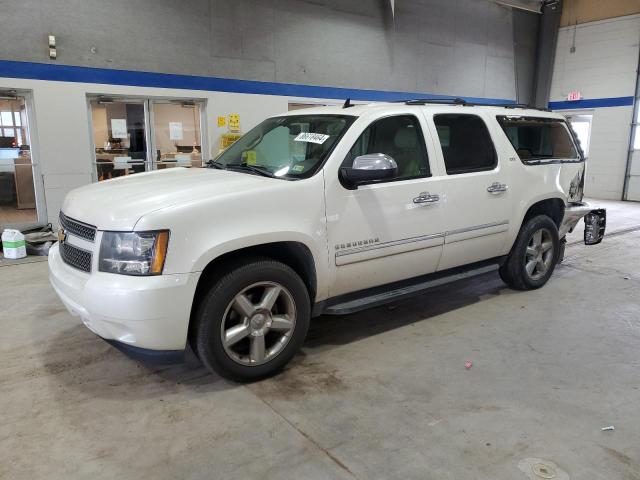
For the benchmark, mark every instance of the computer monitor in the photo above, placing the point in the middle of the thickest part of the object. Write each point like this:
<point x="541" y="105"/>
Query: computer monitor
<point x="8" y="142"/>
<point x="186" y="148"/>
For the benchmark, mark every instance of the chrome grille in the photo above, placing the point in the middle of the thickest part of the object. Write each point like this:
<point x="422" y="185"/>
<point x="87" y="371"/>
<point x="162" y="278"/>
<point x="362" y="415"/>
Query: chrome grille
<point x="79" y="229"/>
<point x="75" y="257"/>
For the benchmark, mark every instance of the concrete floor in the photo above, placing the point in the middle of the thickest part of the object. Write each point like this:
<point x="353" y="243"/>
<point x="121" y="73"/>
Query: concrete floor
<point x="380" y="394"/>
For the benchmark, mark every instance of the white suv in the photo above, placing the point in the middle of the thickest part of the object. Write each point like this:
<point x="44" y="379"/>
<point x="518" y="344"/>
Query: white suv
<point x="322" y="211"/>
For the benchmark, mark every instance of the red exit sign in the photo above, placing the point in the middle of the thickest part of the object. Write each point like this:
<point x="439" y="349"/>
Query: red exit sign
<point x="574" y="96"/>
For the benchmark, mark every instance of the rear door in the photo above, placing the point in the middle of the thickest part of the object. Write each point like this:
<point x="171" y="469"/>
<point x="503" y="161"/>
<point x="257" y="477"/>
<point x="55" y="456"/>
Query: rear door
<point x="475" y="188"/>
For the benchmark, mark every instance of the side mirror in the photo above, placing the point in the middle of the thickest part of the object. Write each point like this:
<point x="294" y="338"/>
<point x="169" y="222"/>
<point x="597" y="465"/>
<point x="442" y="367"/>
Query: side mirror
<point x="369" y="168"/>
<point x="594" y="225"/>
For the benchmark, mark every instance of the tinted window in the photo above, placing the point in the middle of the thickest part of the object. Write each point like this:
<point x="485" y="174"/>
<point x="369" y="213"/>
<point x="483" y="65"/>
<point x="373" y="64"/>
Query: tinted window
<point x="537" y="139"/>
<point x="401" y="138"/>
<point x="466" y="144"/>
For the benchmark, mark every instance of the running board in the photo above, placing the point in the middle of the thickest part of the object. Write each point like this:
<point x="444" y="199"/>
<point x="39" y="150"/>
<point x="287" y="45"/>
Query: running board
<point x="382" y="297"/>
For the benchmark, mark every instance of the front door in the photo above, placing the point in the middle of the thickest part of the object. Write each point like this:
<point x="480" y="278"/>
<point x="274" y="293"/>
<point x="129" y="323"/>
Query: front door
<point x="20" y="181"/>
<point x="477" y="200"/>
<point x="391" y="230"/>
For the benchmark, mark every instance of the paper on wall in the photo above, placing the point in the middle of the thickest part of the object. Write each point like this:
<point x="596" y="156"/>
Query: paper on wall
<point x="175" y="130"/>
<point x="318" y="138"/>
<point x="118" y="128"/>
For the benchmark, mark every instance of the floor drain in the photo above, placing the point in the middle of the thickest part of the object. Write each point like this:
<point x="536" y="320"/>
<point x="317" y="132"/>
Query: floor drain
<point x="543" y="471"/>
<point x="536" y="469"/>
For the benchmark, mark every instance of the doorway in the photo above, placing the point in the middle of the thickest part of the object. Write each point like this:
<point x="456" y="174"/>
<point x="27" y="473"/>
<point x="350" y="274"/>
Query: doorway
<point x="133" y="135"/>
<point x="581" y="124"/>
<point x="18" y="186"/>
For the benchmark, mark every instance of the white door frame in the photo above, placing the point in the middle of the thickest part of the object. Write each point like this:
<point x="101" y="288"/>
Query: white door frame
<point x="34" y="147"/>
<point x="578" y="113"/>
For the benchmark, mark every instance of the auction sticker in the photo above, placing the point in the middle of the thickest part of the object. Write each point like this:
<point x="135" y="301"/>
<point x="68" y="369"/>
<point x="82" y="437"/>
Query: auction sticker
<point x="319" y="138"/>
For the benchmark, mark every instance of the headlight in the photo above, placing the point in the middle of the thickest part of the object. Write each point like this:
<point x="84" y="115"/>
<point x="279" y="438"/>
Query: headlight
<point x="133" y="253"/>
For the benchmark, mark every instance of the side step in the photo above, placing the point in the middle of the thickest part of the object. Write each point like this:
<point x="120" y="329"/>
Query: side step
<point x="382" y="297"/>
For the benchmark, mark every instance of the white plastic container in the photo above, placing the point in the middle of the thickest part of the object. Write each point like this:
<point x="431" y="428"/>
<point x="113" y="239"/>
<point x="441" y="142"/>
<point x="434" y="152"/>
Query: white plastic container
<point x="13" y="244"/>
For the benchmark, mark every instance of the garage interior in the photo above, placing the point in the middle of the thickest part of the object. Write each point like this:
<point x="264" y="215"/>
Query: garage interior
<point x="468" y="380"/>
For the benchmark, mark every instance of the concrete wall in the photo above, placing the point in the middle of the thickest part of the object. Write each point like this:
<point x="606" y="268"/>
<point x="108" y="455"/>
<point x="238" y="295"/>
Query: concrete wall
<point x="453" y="47"/>
<point x="603" y="68"/>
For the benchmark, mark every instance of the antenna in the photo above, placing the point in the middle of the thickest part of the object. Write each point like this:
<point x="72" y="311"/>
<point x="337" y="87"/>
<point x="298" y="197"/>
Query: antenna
<point x="347" y="103"/>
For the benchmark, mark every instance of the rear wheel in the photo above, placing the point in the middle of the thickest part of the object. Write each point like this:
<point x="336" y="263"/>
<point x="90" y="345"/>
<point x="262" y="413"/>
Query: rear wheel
<point x="252" y="321"/>
<point x="533" y="256"/>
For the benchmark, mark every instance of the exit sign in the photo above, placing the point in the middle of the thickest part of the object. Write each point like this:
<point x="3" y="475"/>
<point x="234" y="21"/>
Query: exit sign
<point x="574" y="96"/>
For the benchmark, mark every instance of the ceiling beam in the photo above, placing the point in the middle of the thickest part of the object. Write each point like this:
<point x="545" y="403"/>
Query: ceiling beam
<point x="528" y="5"/>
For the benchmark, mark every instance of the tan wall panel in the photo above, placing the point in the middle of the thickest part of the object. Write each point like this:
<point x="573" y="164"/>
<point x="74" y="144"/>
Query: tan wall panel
<point x="582" y="11"/>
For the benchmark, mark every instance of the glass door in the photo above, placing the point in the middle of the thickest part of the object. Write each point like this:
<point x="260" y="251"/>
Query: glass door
<point x="119" y="128"/>
<point x="18" y="197"/>
<point x="177" y="133"/>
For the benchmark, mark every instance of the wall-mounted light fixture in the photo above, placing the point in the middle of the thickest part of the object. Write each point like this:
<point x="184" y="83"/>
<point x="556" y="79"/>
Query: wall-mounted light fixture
<point x="53" y="54"/>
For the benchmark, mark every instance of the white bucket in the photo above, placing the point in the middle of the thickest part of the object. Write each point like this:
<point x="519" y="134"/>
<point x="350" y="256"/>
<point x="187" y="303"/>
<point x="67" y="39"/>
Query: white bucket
<point x="13" y="244"/>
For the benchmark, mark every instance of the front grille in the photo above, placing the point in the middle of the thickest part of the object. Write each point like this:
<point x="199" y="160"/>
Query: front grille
<point x="79" y="229"/>
<point x="75" y="257"/>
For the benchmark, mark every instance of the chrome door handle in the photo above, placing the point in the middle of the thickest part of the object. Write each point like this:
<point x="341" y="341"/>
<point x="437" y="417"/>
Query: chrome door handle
<point x="425" y="197"/>
<point x="497" y="187"/>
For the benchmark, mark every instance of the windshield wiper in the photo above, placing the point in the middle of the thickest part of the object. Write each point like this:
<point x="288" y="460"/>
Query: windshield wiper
<point x="251" y="168"/>
<point x="215" y="164"/>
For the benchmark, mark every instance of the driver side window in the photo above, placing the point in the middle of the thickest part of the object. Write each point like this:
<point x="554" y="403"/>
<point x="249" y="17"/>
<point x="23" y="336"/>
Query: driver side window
<point x="399" y="137"/>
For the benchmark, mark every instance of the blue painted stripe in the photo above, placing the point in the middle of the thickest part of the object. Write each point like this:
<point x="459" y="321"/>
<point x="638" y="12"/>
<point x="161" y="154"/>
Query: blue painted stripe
<point x="68" y="73"/>
<point x="592" y="103"/>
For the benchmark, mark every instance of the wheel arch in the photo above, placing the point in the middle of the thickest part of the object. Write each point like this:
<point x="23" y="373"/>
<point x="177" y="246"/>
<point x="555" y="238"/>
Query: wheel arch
<point x="552" y="207"/>
<point x="294" y="254"/>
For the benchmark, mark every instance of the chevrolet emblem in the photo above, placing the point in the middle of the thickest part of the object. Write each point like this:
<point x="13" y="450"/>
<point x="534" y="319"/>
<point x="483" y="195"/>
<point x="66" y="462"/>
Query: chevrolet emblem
<point x="62" y="235"/>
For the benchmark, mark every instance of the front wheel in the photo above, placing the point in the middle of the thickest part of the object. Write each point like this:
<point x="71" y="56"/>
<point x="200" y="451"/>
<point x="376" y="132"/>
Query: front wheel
<point x="253" y="320"/>
<point x="534" y="255"/>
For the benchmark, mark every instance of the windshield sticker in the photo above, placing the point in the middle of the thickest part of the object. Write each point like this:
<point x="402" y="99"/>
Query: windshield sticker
<point x="318" y="138"/>
<point x="251" y="157"/>
<point x="298" y="168"/>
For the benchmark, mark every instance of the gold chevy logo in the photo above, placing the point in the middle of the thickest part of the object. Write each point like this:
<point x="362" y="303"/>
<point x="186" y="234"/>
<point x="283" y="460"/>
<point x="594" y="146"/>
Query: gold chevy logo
<point x="62" y="235"/>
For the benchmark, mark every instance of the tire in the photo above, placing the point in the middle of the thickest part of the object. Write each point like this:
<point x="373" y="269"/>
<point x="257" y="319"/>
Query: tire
<point x="262" y="309"/>
<point x="532" y="259"/>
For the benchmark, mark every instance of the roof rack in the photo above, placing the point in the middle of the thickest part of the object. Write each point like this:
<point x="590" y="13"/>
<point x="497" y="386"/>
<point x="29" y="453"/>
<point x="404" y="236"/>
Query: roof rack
<point x="463" y="102"/>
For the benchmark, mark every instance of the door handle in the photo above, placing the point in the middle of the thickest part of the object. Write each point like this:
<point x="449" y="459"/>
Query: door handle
<point x="425" y="197"/>
<point x="497" y="187"/>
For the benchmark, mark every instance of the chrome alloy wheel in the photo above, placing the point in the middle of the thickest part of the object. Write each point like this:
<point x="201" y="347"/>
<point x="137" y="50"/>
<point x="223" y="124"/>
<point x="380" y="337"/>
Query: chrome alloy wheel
<point x="539" y="254"/>
<point x="258" y="323"/>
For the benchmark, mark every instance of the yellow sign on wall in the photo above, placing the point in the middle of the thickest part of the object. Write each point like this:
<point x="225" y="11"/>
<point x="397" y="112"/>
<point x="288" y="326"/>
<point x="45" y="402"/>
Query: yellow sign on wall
<point x="234" y="122"/>
<point x="222" y="121"/>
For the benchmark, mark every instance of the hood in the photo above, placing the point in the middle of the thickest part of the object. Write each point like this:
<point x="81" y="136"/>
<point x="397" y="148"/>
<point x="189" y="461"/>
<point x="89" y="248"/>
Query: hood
<point x="118" y="204"/>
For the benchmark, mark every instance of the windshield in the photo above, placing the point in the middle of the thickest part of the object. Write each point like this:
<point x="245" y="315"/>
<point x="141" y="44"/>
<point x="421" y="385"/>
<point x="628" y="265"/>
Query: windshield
<point x="289" y="147"/>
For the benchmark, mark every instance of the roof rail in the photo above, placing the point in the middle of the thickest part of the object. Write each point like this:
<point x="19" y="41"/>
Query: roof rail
<point x="463" y="102"/>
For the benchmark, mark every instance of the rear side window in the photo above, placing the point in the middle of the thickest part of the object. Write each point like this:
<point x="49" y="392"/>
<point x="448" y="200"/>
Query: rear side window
<point x="539" y="140"/>
<point x="466" y="143"/>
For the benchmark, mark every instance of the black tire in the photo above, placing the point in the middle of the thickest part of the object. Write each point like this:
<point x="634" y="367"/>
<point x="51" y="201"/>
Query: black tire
<point x="216" y="306"/>
<point x="514" y="271"/>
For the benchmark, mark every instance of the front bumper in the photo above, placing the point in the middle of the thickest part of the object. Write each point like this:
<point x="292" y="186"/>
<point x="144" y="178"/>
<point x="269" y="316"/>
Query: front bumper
<point x="143" y="312"/>
<point x="596" y="224"/>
